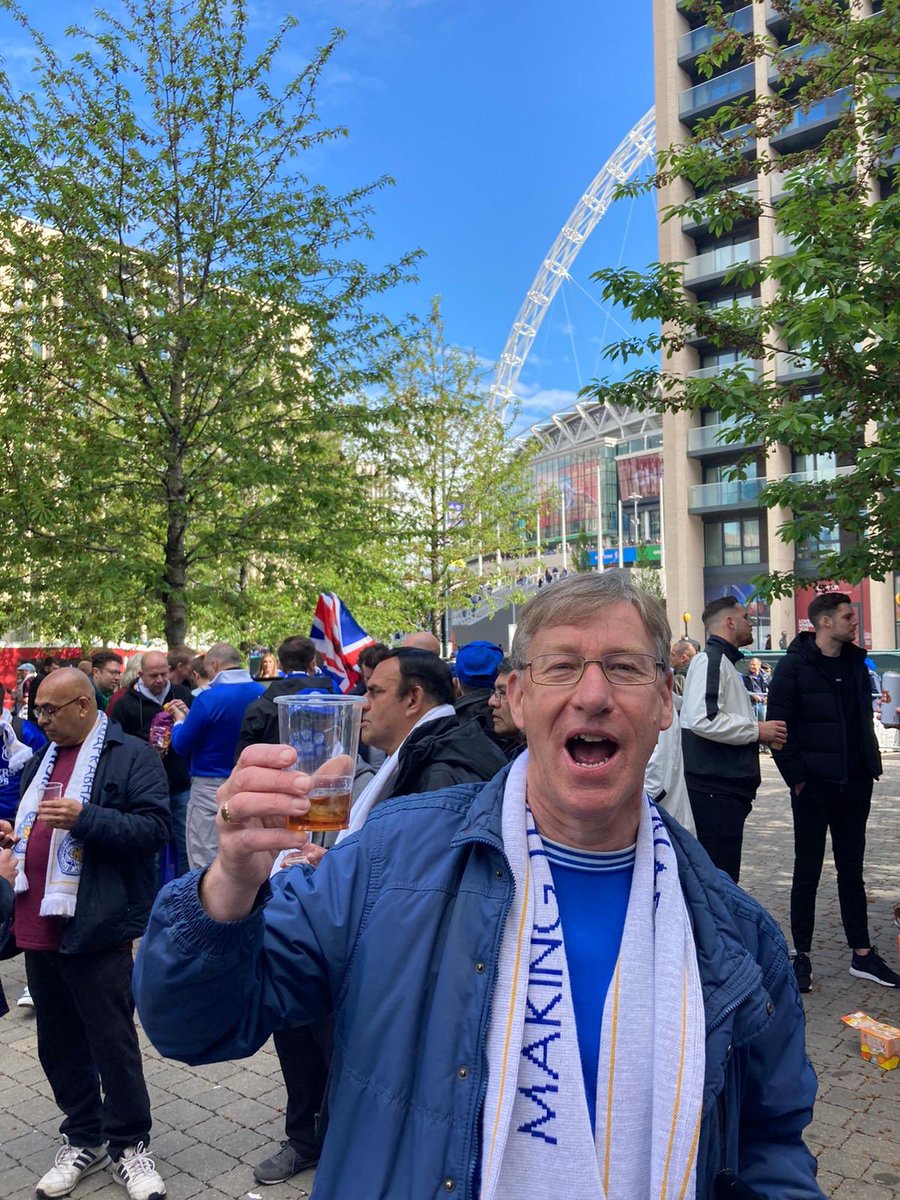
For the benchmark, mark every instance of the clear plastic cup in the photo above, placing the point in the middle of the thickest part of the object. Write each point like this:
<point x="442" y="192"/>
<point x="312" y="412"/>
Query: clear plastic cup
<point x="324" y="731"/>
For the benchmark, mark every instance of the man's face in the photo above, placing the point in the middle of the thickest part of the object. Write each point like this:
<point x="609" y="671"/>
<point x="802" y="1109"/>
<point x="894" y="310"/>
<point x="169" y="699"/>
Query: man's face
<point x="386" y="719"/>
<point x="680" y="657"/>
<point x="743" y="630"/>
<point x="70" y="719"/>
<point x="155" y="673"/>
<point x="180" y="672"/>
<point x="844" y="624"/>
<point x="755" y="666"/>
<point x="108" y="676"/>
<point x="589" y="744"/>
<point x="498" y="702"/>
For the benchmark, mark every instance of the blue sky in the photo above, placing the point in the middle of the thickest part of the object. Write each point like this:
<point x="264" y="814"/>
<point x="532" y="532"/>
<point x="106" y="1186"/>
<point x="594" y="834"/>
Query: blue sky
<point x="493" y="116"/>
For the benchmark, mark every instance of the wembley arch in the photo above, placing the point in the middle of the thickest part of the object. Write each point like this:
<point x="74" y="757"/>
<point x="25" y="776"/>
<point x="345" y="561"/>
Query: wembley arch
<point x="636" y="147"/>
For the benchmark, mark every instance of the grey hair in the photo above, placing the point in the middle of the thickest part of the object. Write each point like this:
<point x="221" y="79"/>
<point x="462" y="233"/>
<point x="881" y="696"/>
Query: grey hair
<point x="579" y="597"/>
<point x="133" y="668"/>
<point x="224" y="654"/>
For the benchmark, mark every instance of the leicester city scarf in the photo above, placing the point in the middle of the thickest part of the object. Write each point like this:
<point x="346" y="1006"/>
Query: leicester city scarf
<point x="536" y="1134"/>
<point x="66" y="851"/>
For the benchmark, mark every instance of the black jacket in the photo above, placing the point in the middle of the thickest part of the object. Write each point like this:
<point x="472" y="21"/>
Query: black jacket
<point x="134" y="712"/>
<point x="260" y="722"/>
<point x="444" y="752"/>
<point x="122" y="829"/>
<point x="805" y="696"/>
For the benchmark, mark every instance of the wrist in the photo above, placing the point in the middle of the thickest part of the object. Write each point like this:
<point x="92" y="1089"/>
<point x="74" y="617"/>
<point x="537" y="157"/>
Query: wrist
<point x="226" y="897"/>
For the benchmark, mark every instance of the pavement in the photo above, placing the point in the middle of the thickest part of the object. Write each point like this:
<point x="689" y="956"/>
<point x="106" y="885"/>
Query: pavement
<point x="211" y="1124"/>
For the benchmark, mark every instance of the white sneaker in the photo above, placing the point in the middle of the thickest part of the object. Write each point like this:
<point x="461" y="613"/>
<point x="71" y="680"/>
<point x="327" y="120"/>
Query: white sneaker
<point x="25" y="1000"/>
<point x="137" y="1173"/>
<point x="71" y="1165"/>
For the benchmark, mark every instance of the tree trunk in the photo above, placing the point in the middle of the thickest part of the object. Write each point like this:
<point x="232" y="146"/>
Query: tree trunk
<point x="175" y="569"/>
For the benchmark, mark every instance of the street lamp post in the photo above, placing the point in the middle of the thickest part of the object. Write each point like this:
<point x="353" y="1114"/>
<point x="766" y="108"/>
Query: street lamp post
<point x="685" y="616"/>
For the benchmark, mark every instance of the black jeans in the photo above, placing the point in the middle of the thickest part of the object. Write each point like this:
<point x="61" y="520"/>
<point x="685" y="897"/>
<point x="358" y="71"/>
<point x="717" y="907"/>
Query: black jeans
<point x="720" y="817"/>
<point x="86" y="1038"/>
<point x="305" y="1056"/>
<point x="844" y="809"/>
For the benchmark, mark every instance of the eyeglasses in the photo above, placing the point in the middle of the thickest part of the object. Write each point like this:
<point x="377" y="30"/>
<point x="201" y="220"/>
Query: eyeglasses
<point x="499" y="692"/>
<point x="622" y="668"/>
<point x="50" y="710"/>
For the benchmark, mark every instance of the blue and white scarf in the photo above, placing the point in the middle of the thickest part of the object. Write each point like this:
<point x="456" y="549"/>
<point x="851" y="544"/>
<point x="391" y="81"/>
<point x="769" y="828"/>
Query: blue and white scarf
<point x="66" y="851"/>
<point x="536" y="1132"/>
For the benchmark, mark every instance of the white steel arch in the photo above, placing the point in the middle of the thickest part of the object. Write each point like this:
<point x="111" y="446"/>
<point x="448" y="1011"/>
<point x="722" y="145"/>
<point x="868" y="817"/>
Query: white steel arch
<point x="637" y="146"/>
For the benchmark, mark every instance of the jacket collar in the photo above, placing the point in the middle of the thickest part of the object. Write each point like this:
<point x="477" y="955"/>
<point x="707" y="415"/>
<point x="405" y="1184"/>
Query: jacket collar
<point x="729" y="972"/>
<point x="730" y="652"/>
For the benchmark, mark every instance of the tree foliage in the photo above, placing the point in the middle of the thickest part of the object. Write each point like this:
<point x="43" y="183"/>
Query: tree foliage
<point x="835" y="316"/>
<point x="458" y="484"/>
<point x="183" y="324"/>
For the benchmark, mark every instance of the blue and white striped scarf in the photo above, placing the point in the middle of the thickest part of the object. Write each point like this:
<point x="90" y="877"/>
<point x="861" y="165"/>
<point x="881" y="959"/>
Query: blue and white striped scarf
<point x="536" y="1135"/>
<point x="66" y="851"/>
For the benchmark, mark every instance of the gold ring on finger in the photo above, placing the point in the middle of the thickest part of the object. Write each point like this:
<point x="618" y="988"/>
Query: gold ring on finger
<point x="224" y="813"/>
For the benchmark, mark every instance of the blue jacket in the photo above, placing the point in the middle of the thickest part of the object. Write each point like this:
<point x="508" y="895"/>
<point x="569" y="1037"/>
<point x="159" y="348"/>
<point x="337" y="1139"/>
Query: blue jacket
<point x="399" y="933"/>
<point x="209" y="733"/>
<point x="31" y="736"/>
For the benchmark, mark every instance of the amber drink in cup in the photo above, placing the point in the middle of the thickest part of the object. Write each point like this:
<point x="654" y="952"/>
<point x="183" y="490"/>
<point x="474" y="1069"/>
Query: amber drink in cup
<point x="324" y="731"/>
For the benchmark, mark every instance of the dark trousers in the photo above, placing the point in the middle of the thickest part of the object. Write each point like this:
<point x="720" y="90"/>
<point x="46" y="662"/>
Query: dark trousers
<point x="305" y="1056"/>
<point x="844" y="809"/>
<point x="720" y="818"/>
<point x="86" y="1039"/>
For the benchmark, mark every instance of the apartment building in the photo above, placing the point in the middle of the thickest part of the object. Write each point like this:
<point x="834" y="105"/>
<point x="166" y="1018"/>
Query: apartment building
<point x="717" y="534"/>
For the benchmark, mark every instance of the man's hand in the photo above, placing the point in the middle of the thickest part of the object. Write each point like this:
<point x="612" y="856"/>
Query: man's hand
<point x="178" y="709"/>
<point x="8" y="867"/>
<point x="59" y="813"/>
<point x="258" y="797"/>
<point x="773" y="733"/>
<point x="7" y="835"/>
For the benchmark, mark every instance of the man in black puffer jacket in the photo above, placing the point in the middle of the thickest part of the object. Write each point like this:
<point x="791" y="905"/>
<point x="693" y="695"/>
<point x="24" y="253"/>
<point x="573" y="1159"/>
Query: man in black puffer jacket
<point x="297" y="658"/>
<point x="830" y="761"/>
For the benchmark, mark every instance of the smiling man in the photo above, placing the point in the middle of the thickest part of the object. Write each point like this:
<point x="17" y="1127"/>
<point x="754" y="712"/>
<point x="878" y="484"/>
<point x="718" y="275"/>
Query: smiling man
<point x="541" y="985"/>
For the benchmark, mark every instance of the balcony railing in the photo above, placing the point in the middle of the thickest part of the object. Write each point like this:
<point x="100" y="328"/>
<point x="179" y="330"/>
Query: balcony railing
<point x="710" y="437"/>
<point x="706" y="97"/>
<point x="819" y="475"/>
<point x="794" y="364"/>
<point x="696" y="41"/>
<point x="806" y="128"/>
<point x="749" y="366"/>
<point x="715" y="262"/>
<point x="726" y="494"/>
<point x="692" y="225"/>
<point x="804" y="54"/>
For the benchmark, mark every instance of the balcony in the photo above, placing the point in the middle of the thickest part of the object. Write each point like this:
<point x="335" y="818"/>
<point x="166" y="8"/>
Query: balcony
<point x="735" y="493"/>
<point x="694" y="225"/>
<point x="695" y="339"/>
<point x="805" y="129"/>
<point x="820" y="475"/>
<point x="709" y="269"/>
<point x="704" y="440"/>
<point x="776" y="22"/>
<point x="697" y="41"/>
<point x="791" y="365"/>
<point x="749" y="366"/>
<point x="705" y="98"/>
<point x="778" y="82"/>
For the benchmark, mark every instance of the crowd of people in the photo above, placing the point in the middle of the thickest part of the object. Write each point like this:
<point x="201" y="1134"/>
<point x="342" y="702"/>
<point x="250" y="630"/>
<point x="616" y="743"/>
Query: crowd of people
<point x="536" y="890"/>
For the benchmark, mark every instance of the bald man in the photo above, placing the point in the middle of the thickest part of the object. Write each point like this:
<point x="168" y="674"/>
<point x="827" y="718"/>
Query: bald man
<point x="422" y="640"/>
<point x="93" y="816"/>
<point x="137" y="710"/>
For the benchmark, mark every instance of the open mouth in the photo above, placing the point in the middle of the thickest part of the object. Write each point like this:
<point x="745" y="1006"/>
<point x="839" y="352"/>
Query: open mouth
<point x="589" y="751"/>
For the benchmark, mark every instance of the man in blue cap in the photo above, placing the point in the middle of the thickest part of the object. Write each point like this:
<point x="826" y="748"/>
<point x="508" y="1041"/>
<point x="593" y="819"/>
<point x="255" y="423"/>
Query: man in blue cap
<point x="477" y="665"/>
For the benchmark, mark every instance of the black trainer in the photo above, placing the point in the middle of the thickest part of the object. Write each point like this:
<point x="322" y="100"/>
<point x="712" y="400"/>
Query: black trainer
<point x="803" y="972"/>
<point x="283" y="1164"/>
<point x="872" y="966"/>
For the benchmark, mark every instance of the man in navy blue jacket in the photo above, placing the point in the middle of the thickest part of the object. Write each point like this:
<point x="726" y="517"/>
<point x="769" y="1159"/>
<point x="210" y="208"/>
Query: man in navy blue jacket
<point x="466" y="1056"/>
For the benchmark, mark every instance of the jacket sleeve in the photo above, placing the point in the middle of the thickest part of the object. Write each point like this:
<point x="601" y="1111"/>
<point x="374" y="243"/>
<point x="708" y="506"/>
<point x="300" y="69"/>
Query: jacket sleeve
<point x="252" y="728"/>
<point x="783" y="705"/>
<point x="187" y="733"/>
<point x="778" y="1097"/>
<point x="715" y="703"/>
<point x="208" y="991"/>
<point x="132" y="812"/>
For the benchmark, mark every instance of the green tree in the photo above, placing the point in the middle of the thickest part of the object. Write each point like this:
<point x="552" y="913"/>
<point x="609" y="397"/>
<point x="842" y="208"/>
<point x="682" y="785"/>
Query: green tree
<point x="183" y="323"/>
<point x="837" y="213"/>
<point x="458" y="484"/>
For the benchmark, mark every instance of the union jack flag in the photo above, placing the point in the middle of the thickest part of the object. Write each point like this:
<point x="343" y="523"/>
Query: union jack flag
<point x="339" y="640"/>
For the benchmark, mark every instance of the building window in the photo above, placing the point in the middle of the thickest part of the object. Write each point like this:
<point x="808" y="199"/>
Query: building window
<point x="731" y="543"/>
